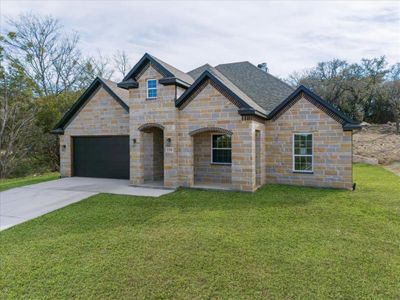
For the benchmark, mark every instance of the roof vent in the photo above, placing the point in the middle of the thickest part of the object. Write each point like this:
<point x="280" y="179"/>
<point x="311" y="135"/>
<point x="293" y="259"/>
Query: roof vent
<point x="263" y="67"/>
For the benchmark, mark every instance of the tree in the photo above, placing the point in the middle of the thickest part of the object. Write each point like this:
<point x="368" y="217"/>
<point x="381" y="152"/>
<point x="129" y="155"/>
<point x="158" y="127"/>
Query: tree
<point x="121" y="62"/>
<point x="352" y="88"/>
<point x="326" y="79"/>
<point x="50" y="109"/>
<point x="363" y="81"/>
<point x="99" y="65"/>
<point x="49" y="56"/>
<point x="17" y="117"/>
<point x="391" y="92"/>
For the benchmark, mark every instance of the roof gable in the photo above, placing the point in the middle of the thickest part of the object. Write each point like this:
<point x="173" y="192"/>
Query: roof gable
<point x="112" y="89"/>
<point x="302" y="91"/>
<point x="171" y="75"/>
<point x="245" y="105"/>
<point x="195" y="73"/>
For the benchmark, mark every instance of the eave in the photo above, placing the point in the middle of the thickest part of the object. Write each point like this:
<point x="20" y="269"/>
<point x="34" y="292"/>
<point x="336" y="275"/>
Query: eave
<point x="347" y="123"/>
<point x="174" y="81"/>
<point x="351" y="126"/>
<point x="128" y="84"/>
<point x="252" y="112"/>
<point x="75" y="108"/>
<point x="130" y="80"/>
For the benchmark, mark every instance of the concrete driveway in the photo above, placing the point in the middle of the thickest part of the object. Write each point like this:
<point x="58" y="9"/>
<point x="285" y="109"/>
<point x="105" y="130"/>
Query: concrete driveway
<point x="25" y="203"/>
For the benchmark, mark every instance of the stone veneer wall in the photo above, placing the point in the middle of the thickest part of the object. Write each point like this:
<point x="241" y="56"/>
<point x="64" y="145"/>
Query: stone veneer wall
<point x="204" y="170"/>
<point x="258" y="157"/>
<point x="160" y="111"/>
<point x="102" y="115"/>
<point x="210" y="109"/>
<point x="332" y="161"/>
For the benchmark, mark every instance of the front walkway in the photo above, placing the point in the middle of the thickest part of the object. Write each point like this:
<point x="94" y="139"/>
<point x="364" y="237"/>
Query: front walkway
<point x="25" y="203"/>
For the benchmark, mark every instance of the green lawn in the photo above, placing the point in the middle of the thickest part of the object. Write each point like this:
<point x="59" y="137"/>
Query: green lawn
<point x="6" y="184"/>
<point x="281" y="242"/>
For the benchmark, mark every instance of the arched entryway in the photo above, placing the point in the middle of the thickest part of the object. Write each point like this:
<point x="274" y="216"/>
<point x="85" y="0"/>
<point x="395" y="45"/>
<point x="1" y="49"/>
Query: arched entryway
<point x="212" y="157"/>
<point x="153" y="159"/>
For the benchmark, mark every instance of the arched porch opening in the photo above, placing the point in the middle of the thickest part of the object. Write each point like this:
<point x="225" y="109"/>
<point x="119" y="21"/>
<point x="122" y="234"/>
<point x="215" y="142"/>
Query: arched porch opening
<point x="153" y="158"/>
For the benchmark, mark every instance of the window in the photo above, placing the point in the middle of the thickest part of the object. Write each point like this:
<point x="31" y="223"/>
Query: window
<point x="303" y="152"/>
<point x="151" y="89"/>
<point x="221" y="149"/>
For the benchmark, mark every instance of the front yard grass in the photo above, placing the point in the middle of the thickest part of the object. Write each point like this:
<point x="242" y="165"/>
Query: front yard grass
<point x="282" y="242"/>
<point x="6" y="184"/>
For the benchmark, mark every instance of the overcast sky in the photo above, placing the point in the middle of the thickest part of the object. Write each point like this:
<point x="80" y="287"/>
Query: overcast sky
<point x="288" y="35"/>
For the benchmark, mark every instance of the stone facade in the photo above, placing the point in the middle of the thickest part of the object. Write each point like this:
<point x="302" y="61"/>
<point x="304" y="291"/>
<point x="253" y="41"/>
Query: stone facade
<point x="101" y="115"/>
<point x="161" y="113"/>
<point x="211" y="109"/>
<point x="332" y="155"/>
<point x="174" y="145"/>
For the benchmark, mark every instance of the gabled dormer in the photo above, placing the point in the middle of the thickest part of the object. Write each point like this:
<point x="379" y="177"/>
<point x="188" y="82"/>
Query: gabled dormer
<point x="170" y="75"/>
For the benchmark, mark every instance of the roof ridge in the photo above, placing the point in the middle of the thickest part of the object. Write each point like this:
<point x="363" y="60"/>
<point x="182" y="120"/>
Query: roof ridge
<point x="231" y="63"/>
<point x="269" y="74"/>
<point x="206" y="64"/>
<point x="258" y="69"/>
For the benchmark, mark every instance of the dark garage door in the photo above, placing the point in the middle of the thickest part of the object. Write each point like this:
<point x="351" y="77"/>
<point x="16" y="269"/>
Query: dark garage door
<point x="103" y="156"/>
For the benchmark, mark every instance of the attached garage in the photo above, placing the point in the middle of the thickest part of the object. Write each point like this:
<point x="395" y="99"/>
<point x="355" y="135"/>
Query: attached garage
<point x="94" y="133"/>
<point x="101" y="156"/>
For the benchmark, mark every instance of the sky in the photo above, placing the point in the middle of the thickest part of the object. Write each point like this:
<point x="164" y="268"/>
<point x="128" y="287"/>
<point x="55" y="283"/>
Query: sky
<point x="288" y="35"/>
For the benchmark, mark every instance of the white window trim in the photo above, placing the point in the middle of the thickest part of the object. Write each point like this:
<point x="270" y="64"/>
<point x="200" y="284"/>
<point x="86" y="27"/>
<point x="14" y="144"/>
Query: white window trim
<point x="212" y="148"/>
<point x="309" y="155"/>
<point x="147" y="87"/>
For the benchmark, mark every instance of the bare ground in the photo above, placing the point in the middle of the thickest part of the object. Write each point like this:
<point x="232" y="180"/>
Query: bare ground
<point x="379" y="141"/>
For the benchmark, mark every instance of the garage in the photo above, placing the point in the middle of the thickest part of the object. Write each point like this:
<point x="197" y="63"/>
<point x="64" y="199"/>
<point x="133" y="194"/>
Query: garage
<point x="101" y="156"/>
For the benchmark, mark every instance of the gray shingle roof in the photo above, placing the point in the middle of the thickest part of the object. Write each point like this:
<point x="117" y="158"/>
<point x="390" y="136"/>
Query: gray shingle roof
<point x="177" y="73"/>
<point x="263" y="88"/>
<point x="198" y="71"/>
<point x="195" y="73"/>
<point x="122" y="93"/>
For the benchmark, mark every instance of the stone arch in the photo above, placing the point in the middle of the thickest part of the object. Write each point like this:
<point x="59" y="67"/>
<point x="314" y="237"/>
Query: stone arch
<point x="147" y="126"/>
<point x="152" y="136"/>
<point x="211" y="129"/>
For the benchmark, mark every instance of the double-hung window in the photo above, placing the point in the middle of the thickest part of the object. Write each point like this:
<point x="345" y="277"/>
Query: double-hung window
<point x="303" y="152"/>
<point x="221" y="149"/>
<point x="151" y="89"/>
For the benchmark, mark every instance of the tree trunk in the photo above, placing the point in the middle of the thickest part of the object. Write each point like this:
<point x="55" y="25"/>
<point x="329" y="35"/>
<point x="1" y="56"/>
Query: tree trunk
<point x="397" y="120"/>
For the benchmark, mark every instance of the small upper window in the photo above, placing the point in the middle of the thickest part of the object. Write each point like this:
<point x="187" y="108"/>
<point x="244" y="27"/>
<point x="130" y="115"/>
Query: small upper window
<point x="151" y="89"/>
<point x="221" y="149"/>
<point x="303" y="152"/>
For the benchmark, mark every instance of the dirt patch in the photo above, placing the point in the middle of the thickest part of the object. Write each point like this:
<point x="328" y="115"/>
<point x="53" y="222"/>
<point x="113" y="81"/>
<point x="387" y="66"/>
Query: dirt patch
<point x="378" y="141"/>
<point x="394" y="167"/>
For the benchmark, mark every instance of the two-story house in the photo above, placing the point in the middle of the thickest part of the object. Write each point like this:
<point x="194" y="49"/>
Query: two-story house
<point x="233" y="126"/>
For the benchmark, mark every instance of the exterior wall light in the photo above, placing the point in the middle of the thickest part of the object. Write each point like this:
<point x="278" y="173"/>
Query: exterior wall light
<point x="64" y="147"/>
<point x="168" y="144"/>
<point x="134" y="141"/>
